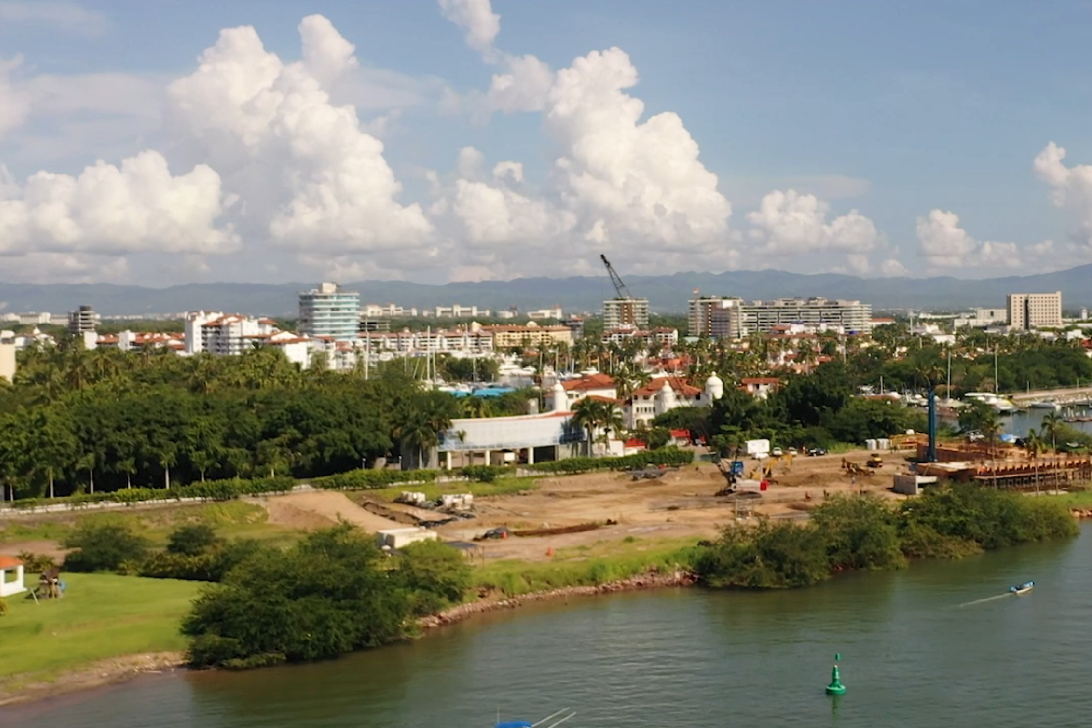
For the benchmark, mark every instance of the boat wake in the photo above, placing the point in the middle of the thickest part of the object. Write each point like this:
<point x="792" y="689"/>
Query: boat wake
<point x="987" y="599"/>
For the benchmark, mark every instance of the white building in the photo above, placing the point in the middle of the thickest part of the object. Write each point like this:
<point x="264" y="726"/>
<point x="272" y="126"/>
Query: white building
<point x="234" y="334"/>
<point x="11" y="576"/>
<point x="329" y="311"/>
<point x="716" y="317"/>
<point x="82" y="320"/>
<point x="818" y="313"/>
<point x="194" y="320"/>
<point x="7" y="361"/>
<point x="664" y="336"/>
<point x="30" y="318"/>
<point x="665" y="393"/>
<point x="546" y="313"/>
<point x="619" y="312"/>
<point x="1035" y="310"/>
<point x="589" y="385"/>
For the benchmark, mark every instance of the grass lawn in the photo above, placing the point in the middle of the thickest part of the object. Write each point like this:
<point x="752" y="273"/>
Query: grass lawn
<point x="1073" y="499"/>
<point x="592" y="565"/>
<point x="100" y="616"/>
<point x="231" y="519"/>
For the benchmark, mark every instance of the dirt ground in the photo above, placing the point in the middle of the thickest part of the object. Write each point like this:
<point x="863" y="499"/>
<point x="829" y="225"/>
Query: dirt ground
<point x="321" y="509"/>
<point x="678" y="505"/>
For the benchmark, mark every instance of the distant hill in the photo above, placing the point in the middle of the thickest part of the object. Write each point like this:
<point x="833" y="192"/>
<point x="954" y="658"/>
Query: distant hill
<point x="667" y="293"/>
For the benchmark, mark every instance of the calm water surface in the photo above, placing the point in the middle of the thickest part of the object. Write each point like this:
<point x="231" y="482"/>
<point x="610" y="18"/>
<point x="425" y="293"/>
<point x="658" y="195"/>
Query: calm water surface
<point x="911" y="656"/>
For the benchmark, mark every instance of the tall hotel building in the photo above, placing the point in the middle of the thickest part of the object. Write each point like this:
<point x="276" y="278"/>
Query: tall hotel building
<point x="330" y="311"/>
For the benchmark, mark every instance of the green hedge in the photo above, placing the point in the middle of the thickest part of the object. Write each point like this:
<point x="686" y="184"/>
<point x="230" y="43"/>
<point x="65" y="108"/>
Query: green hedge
<point x="667" y="456"/>
<point x="372" y="479"/>
<point x="217" y="490"/>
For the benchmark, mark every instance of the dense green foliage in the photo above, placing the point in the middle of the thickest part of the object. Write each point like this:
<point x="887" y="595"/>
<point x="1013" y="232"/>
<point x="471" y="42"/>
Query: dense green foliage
<point x="816" y="409"/>
<point x="329" y="594"/>
<point x="664" y="456"/>
<point x="863" y="532"/>
<point x="93" y="421"/>
<point x="104" y="546"/>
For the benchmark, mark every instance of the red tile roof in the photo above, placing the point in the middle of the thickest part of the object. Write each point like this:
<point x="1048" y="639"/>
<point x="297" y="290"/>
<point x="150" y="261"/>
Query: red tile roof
<point x="591" y="381"/>
<point x="9" y="562"/>
<point x="600" y="398"/>
<point x="679" y="385"/>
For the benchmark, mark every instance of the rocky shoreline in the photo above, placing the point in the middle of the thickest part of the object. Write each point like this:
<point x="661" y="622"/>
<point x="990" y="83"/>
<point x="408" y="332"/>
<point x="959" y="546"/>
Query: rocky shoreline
<point x="1081" y="512"/>
<point x="470" y="609"/>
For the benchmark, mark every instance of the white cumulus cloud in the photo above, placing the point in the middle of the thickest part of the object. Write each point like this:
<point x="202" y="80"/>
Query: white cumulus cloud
<point x="107" y="209"/>
<point x="1072" y="188"/>
<point x="477" y="18"/>
<point x="618" y="183"/>
<point x="789" y="222"/>
<point x="947" y="246"/>
<point x="309" y="176"/>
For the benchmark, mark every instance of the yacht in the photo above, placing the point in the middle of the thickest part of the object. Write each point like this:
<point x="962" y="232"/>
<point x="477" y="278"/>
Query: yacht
<point x="999" y="403"/>
<point x="1045" y="405"/>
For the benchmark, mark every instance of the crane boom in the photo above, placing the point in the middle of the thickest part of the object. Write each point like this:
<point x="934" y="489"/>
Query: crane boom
<point x="619" y="286"/>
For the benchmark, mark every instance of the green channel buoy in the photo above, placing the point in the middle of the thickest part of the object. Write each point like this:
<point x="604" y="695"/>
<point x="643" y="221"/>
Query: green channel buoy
<point x="836" y="687"/>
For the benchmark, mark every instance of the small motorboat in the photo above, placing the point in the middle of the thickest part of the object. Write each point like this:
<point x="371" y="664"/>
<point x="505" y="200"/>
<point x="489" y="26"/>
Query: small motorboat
<point x="1022" y="588"/>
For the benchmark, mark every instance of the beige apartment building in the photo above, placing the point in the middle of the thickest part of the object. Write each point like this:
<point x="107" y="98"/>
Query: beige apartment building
<point x="506" y="337"/>
<point x="1035" y="310"/>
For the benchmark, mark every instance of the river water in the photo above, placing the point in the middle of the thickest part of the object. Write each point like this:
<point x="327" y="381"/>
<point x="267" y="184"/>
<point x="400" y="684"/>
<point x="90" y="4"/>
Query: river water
<point x="911" y="656"/>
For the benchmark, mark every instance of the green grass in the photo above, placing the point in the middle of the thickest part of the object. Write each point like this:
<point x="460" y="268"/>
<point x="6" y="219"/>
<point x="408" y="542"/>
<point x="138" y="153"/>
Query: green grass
<point x="100" y="616"/>
<point x="588" y="565"/>
<point x="231" y="519"/>
<point x="1073" y="499"/>
<point x="432" y="491"/>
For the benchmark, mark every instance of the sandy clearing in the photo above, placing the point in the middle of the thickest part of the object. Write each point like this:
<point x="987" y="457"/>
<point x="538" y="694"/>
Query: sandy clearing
<point x="320" y="510"/>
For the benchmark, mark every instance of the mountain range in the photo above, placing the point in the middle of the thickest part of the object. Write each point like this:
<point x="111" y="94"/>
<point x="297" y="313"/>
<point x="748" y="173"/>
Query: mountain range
<point x="666" y="293"/>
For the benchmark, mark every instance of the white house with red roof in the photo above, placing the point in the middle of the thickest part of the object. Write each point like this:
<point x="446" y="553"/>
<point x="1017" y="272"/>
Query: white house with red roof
<point x="665" y="393"/>
<point x="588" y="385"/>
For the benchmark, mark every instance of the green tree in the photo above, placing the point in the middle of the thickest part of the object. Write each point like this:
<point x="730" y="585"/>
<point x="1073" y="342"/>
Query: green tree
<point x="104" y="546"/>
<point x="435" y="575"/>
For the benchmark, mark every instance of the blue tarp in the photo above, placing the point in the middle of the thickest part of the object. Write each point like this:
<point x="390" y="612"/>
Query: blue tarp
<point x="485" y="392"/>
<point x="515" y="724"/>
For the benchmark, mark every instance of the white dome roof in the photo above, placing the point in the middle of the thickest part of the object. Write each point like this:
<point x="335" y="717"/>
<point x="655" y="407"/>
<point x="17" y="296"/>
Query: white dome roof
<point x="713" y="379"/>
<point x="558" y="386"/>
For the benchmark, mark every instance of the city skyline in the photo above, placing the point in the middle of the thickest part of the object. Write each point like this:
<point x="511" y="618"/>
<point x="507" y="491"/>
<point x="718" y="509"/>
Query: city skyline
<point x="463" y="140"/>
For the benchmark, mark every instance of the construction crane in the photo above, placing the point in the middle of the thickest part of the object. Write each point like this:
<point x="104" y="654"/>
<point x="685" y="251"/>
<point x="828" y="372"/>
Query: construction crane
<point x="619" y="286"/>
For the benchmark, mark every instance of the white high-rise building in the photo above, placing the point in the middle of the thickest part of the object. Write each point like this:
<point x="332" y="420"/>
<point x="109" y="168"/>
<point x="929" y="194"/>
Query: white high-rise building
<point x="815" y="313"/>
<point x="716" y="316"/>
<point x="1035" y="310"/>
<point x="330" y="311"/>
<point x="619" y="312"/>
<point x="195" y="320"/>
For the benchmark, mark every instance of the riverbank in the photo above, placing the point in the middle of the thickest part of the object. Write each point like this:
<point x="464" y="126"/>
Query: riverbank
<point x="30" y="687"/>
<point x="652" y="580"/>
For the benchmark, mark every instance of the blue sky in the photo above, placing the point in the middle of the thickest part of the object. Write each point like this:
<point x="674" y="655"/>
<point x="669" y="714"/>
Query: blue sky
<point x="872" y="138"/>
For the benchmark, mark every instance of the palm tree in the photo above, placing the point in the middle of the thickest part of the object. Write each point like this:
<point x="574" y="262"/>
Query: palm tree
<point x="1033" y="443"/>
<point x="587" y="414"/>
<point x="1050" y="425"/>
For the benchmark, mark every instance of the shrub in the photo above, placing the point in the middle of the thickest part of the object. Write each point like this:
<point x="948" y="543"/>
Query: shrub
<point x="372" y="479"/>
<point x="192" y="539"/>
<point x="327" y="595"/>
<point x="665" y="456"/>
<point x="104" y="546"/>
<point x="434" y="574"/>
<point x="486" y="473"/>
<point x="36" y="563"/>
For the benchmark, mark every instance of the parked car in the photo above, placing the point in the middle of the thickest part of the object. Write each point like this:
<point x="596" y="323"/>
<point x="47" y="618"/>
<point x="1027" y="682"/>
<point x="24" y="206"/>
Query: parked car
<point x="776" y="452"/>
<point x="817" y="451"/>
<point x="792" y="451"/>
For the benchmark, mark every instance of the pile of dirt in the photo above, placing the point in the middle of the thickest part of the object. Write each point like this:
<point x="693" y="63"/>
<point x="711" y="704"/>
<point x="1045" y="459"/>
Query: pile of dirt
<point x="322" y="509"/>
